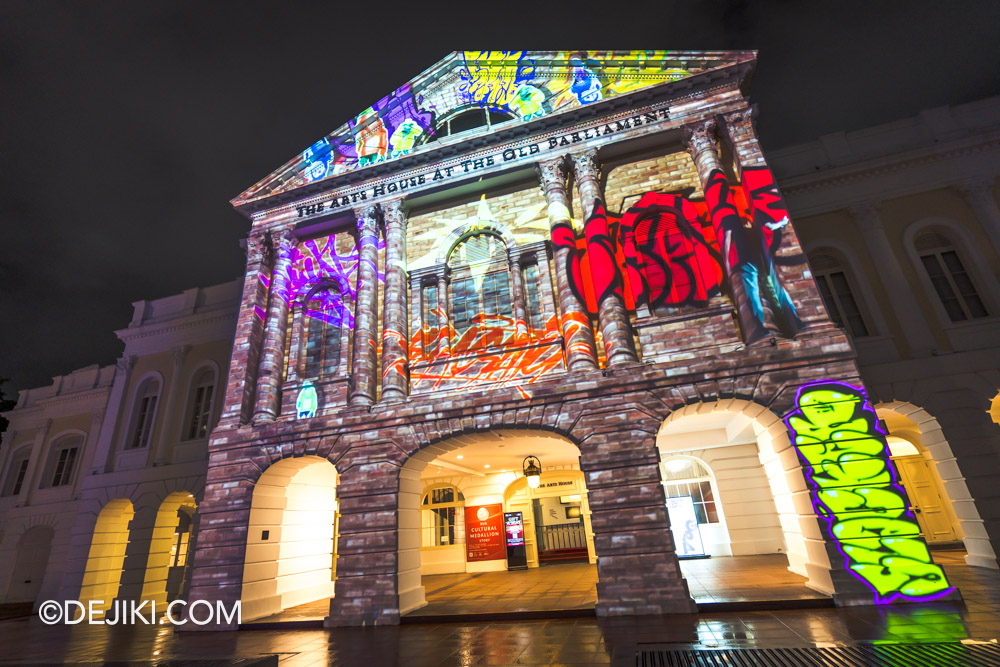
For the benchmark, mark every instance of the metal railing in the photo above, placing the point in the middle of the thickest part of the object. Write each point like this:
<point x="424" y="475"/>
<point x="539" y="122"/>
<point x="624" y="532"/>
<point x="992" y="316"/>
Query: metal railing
<point x="565" y="536"/>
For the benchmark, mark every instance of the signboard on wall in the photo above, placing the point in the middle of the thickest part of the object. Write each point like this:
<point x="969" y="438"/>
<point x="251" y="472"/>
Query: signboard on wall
<point x="684" y="526"/>
<point x="517" y="555"/>
<point x="484" y="533"/>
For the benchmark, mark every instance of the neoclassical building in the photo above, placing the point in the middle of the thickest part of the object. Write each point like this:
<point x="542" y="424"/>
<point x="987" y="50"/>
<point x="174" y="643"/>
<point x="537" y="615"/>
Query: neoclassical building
<point x="560" y="289"/>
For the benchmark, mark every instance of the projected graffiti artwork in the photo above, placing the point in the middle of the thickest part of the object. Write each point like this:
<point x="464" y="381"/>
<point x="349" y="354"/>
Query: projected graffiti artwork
<point x="491" y="79"/>
<point x="854" y="488"/>
<point x="488" y="356"/>
<point x="317" y="262"/>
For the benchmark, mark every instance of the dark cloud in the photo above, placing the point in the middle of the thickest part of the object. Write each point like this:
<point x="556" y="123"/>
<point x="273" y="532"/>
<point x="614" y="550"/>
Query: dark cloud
<point x="126" y="128"/>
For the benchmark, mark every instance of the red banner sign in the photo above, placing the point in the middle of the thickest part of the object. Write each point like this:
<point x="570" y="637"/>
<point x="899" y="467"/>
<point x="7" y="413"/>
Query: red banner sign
<point x="484" y="533"/>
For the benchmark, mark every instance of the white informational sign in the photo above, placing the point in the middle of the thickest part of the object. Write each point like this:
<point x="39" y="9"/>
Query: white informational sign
<point x="684" y="526"/>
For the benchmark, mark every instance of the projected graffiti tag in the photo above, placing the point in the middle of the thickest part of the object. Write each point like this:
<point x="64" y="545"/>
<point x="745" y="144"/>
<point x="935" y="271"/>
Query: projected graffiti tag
<point x="854" y="488"/>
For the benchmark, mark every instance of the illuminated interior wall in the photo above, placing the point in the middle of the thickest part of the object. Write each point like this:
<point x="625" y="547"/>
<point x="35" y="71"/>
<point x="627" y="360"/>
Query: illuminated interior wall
<point x="294" y="502"/>
<point x="806" y="552"/>
<point x="103" y="573"/>
<point x="856" y="490"/>
<point x="164" y="544"/>
<point x="518" y="497"/>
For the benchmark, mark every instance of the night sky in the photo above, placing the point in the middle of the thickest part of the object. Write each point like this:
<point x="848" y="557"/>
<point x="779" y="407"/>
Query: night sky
<point x="126" y="127"/>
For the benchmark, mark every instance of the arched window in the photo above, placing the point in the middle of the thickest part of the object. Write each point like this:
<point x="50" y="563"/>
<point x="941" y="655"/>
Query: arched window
<point x="143" y="414"/>
<point x="322" y="328"/>
<point x="465" y="121"/>
<point x="951" y="281"/>
<point x="480" y="292"/>
<point x="442" y="520"/>
<point x="61" y="465"/>
<point x="835" y="288"/>
<point x="200" y="404"/>
<point x="685" y="476"/>
<point x="16" y="472"/>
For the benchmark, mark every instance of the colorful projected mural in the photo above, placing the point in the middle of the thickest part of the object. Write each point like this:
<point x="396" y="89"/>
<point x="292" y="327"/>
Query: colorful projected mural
<point x="527" y="85"/>
<point x="855" y="489"/>
<point x="317" y="262"/>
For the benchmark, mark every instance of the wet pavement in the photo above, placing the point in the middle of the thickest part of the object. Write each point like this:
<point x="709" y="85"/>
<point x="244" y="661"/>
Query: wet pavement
<point x="577" y="641"/>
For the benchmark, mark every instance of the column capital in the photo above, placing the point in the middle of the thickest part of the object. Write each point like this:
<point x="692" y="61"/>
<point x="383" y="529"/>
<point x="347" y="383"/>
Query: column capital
<point x="394" y="210"/>
<point x="741" y="124"/>
<point x="700" y="136"/>
<point x="180" y="353"/>
<point x="552" y="173"/>
<point x="258" y="248"/>
<point x="283" y="243"/>
<point x="585" y="165"/>
<point x="366" y="214"/>
<point x="978" y="192"/>
<point x="866" y="212"/>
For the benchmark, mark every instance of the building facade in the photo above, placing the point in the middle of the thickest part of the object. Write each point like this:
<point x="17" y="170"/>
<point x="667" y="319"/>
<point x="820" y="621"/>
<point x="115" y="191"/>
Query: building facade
<point x="578" y="261"/>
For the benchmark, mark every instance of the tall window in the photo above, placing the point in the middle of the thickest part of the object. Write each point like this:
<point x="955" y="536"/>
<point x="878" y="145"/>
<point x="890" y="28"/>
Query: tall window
<point x="323" y="323"/>
<point x="948" y="276"/>
<point x="837" y="295"/>
<point x="532" y="298"/>
<point x="144" y="413"/>
<point x="442" y="521"/>
<point x="62" y="461"/>
<point x="480" y="292"/>
<point x="15" y="474"/>
<point x="683" y="476"/>
<point x="201" y="404"/>
<point x="429" y="318"/>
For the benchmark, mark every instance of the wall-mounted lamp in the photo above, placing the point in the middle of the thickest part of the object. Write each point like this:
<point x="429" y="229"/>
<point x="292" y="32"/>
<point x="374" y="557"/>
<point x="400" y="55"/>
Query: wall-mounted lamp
<point x="532" y="468"/>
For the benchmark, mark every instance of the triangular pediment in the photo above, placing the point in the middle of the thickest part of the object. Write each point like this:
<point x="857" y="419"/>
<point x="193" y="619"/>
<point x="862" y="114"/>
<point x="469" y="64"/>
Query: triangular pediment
<point x="509" y="86"/>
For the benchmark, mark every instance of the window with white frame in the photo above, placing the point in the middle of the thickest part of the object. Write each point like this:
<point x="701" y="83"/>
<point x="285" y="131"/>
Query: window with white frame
<point x="200" y="405"/>
<point x="947" y="273"/>
<point x="835" y="288"/>
<point x="442" y="517"/>
<point x="323" y="318"/>
<point x="62" y="461"/>
<point x="685" y="476"/>
<point x="143" y="413"/>
<point x="18" y="468"/>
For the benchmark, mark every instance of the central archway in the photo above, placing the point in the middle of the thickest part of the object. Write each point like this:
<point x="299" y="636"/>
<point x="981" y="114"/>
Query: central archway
<point x="482" y="474"/>
<point x="291" y="539"/>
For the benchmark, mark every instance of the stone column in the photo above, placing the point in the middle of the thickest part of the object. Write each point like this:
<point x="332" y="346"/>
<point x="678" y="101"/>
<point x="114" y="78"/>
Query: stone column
<point x="701" y="142"/>
<point x="619" y="345"/>
<point x="444" y="319"/>
<point x="517" y="299"/>
<point x="242" y="380"/>
<point x="395" y="341"/>
<point x="365" y="353"/>
<point x="36" y="465"/>
<point x="115" y="410"/>
<point x="979" y="195"/>
<point x="272" y="359"/>
<point x="911" y="319"/>
<point x="574" y="322"/>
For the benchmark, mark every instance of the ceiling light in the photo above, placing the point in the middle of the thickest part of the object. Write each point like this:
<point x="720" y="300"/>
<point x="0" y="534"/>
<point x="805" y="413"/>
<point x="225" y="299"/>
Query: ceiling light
<point x="487" y="465"/>
<point x="459" y="456"/>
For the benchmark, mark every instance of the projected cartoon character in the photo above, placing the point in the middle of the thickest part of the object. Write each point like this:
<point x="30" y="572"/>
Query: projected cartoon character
<point x="527" y="102"/>
<point x="586" y="86"/>
<point x="372" y="141"/>
<point x="404" y="136"/>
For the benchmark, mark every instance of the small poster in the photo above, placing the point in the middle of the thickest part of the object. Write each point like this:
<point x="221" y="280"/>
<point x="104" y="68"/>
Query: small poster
<point x="484" y="533"/>
<point x="684" y="527"/>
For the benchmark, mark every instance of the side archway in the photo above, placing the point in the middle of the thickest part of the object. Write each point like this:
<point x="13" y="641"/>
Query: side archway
<point x="917" y="426"/>
<point x="291" y="537"/>
<point x="103" y="573"/>
<point x="167" y="564"/>
<point x="30" y="563"/>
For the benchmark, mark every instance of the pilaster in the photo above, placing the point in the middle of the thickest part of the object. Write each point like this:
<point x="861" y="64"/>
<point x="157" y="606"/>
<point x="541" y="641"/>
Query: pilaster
<point x="365" y="352"/>
<point x="395" y="340"/>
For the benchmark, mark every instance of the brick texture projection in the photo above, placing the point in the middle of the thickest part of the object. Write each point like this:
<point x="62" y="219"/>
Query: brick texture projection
<point x="854" y="487"/>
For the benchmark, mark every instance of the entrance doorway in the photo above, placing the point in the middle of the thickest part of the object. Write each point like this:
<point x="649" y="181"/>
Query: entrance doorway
<point x="29" y="567"/>
<point x="453" y="501"/>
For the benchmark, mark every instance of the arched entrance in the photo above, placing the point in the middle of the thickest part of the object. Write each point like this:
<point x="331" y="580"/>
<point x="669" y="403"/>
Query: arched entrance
<point x="481" y="476"/>
<point x="747" y="489"/>
<point x="102" y="577"/>
<point x="167" y="564"/>
<point x="291" y="538"/>
<point x="943" y="505"/>
<point x="29" y="565"/>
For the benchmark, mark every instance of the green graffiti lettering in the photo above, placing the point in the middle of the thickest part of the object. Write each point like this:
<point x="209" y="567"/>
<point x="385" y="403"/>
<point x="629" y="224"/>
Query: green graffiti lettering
<point x="834" y="430"/>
